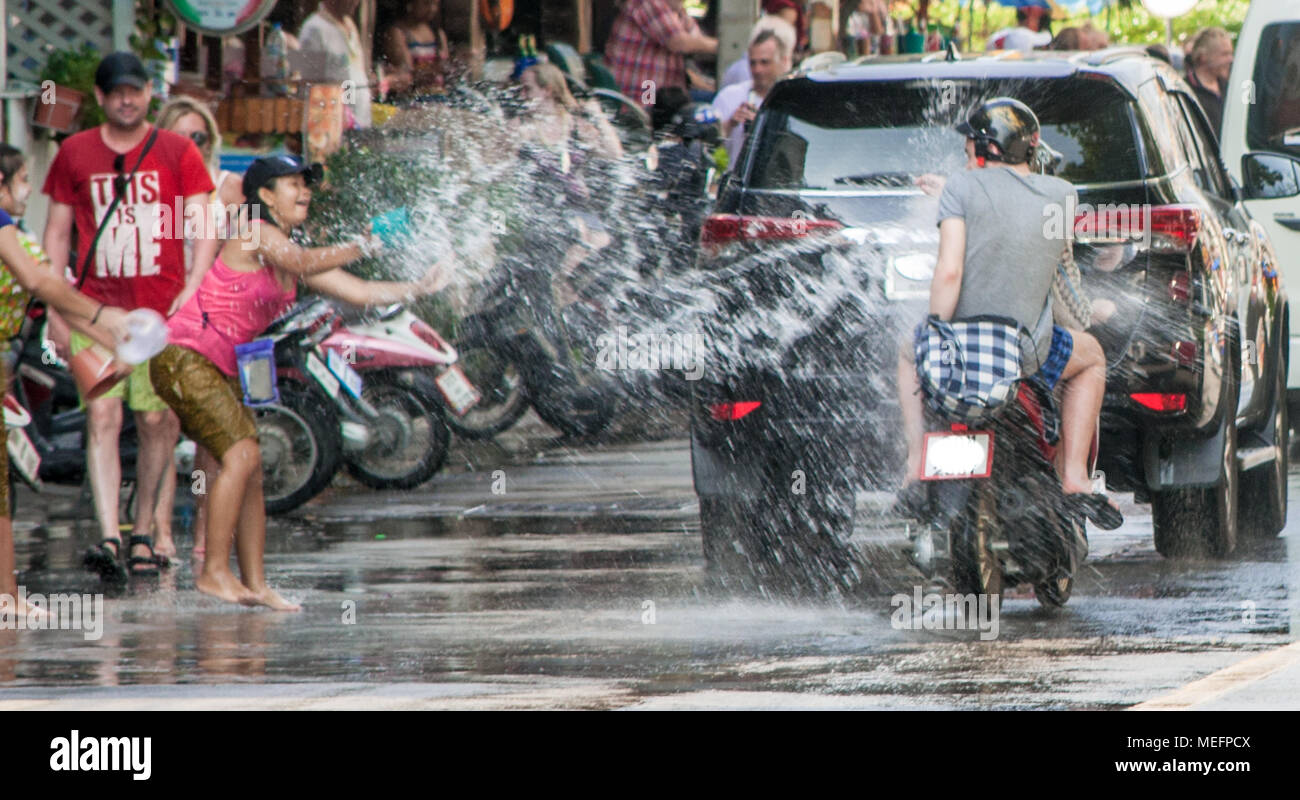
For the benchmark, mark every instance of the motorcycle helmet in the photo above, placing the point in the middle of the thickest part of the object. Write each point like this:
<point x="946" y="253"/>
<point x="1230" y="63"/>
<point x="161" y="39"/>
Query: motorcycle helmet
<point x="1006" y="123"/>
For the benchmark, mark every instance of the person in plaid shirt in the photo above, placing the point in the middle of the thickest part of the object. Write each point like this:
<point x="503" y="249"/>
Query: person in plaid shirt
<point x="648" y="44"/>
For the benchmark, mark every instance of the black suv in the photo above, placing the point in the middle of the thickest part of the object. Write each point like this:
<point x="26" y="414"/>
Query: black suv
<point x="820" y="249"/>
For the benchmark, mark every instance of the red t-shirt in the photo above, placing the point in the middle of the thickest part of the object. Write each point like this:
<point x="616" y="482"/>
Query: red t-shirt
<point x="140" y="258"/>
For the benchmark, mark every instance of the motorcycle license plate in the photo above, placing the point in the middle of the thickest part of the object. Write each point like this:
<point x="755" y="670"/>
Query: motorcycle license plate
<point x="952" y="456"/>
<point x="457" y="390"/>
<point x="348" y="376"/>
<point x="23" y="455"/>
<point x="322" y="374"/>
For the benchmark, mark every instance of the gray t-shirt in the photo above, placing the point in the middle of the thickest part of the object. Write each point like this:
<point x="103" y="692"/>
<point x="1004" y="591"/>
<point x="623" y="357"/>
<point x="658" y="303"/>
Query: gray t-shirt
<point x="1010" y="260"/>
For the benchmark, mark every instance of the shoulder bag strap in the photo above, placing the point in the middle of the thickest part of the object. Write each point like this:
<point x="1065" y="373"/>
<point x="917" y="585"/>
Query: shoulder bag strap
<point x="112" y="206"/>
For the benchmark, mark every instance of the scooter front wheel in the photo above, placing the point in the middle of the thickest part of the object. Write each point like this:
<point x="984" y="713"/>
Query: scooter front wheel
<point x="503" y="396"/>
<point x="408" y="440"/>
<point x="300" y="445"/>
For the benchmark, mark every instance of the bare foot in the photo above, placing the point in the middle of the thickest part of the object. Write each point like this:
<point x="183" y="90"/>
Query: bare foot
<point x="225" y="587"/>
<point x="271" y="599"/>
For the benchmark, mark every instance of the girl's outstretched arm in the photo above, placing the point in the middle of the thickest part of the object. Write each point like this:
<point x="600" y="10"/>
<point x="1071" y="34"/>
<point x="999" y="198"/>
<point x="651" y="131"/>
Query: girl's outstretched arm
<point x="273" y="245"/>
<point x="351" y="289"/>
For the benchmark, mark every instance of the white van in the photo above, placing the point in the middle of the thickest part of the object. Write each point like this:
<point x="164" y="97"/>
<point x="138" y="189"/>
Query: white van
<point x="1261" y="140"/>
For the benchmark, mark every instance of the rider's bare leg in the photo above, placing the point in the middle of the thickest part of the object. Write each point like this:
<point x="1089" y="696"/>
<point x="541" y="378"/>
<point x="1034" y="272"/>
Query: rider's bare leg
<point x="909" y="401"/>
<point x="1084" y="379"/>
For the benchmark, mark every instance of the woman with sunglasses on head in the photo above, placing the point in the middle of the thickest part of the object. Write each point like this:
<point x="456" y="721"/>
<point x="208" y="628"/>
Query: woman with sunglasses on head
<point x="192" y="119"/>
<point x="25" y="271"/>
<point x="253" y="280"/>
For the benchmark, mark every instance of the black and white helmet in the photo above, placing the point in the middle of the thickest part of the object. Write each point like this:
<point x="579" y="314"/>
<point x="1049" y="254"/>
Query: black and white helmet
<point x="1007" y="123"/>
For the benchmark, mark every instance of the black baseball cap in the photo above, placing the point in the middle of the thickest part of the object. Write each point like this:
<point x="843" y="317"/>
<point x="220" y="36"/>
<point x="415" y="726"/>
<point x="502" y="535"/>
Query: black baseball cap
<point x="120" y="68"/>
<point x="268" y="168"/>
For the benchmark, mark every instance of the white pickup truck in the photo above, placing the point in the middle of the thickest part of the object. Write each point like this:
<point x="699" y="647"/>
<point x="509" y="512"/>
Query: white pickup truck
<point x="1261" y="139"/>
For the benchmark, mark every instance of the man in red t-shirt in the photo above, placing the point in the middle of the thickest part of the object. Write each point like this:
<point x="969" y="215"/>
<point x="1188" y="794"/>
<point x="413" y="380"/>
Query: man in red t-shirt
<point x="139" y="262"/>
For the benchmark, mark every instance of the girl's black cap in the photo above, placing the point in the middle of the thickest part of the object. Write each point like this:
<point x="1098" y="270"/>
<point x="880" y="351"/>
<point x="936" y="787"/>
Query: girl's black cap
<point x="268" y="168"/>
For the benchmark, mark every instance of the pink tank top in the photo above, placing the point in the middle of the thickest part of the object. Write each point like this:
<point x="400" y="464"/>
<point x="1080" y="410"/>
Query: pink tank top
<point x="230" y="308"/>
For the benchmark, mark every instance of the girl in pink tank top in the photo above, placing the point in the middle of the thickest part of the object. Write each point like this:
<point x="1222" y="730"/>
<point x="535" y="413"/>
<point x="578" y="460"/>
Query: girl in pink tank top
<point x="252" y="281"/>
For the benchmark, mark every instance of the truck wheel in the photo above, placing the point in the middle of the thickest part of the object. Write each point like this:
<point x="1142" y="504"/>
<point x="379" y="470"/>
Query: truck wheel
<point x="1198" y="522"/>
<point x="1263" y="489"/>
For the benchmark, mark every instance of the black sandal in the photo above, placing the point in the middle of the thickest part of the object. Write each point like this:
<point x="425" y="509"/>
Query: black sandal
<point x="106" y="562"/>
<point x="1097" y="508"/>
<point x="151" y="561"/>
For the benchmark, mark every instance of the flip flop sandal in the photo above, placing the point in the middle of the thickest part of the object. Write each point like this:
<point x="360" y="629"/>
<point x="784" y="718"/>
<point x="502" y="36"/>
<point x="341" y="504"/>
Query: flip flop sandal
<point x="105" y="561"/>
<point x="1097" y="508"/>
<point x="150" y="561"/>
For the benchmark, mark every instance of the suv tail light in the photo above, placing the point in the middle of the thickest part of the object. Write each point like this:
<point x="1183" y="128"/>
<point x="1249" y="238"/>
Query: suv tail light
<point x="1168" y="229"/>
<point x="729" y="412"/>
<point x="1161" y="402"/>
<point x="721" y="229"/>
<point x="1174" y="228"/>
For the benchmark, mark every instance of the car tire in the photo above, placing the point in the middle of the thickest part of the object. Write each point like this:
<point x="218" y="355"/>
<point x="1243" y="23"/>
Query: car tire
<point x="1192" y="523"/>
<point x="781" y="546"/>
<point x="1264" y="489"/>
<point x="1198" y="522"/>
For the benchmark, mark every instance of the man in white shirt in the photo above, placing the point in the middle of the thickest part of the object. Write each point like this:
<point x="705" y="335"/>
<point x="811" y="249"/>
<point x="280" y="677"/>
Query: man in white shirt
<point x="736" y="105"/>
<point x="738" y="72"/>
<point x="330" y="52"/>
<point x="1027" y="35"/>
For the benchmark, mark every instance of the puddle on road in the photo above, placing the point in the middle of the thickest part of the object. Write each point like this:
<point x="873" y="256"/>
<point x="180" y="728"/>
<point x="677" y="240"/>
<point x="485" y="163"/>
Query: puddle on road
<point x="597" y="596"/>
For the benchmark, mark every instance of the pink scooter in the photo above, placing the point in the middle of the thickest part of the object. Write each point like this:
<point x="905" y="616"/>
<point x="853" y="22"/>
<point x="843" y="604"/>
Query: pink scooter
<point x="411" y="379"/>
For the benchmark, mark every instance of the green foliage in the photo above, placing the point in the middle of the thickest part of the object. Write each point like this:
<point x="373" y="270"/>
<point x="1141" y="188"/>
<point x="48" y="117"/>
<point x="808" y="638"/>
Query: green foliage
<point x="75" y="69"/>
<point x="1124" y="25"/>
<point x="383" y="172"/>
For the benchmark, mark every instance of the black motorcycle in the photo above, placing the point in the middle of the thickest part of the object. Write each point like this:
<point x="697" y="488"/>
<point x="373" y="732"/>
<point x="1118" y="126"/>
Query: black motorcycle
<point x="522" y="347"/>
<point x="995" y="516"/>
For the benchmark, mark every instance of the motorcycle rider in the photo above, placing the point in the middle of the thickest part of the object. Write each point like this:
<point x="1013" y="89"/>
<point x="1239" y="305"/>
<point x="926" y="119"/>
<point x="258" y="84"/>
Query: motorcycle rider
<point x="995" y="258"/>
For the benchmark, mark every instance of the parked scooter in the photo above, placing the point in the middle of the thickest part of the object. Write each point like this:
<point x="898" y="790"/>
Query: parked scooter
<point x="293" y="453"/>
<point x="521" y="347"/>
<point x="411" y="378"/>
<point x="24" y="460"/>
<point x="996" y="517"/>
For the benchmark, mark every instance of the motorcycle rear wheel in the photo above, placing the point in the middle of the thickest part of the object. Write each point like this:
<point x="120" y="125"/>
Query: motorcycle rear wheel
<point x="975" y="567"/>
<point x="1055" y="592"/>
<point x="408" y="443"/>
<point x="504" y="399"/>
<point x="301" y="447"/>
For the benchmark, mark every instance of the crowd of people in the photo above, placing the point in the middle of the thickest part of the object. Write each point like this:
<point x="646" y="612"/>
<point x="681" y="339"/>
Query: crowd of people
<point x="221" y="288"/>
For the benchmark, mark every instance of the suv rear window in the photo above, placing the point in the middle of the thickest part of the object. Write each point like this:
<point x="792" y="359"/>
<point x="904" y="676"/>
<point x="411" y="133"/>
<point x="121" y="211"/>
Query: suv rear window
<point x="1276" y="106"/>
<point x="839" y="135"/>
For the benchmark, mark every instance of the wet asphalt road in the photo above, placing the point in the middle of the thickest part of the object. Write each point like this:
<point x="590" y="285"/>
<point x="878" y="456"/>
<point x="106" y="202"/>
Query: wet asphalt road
<point x="582" y="586"/>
